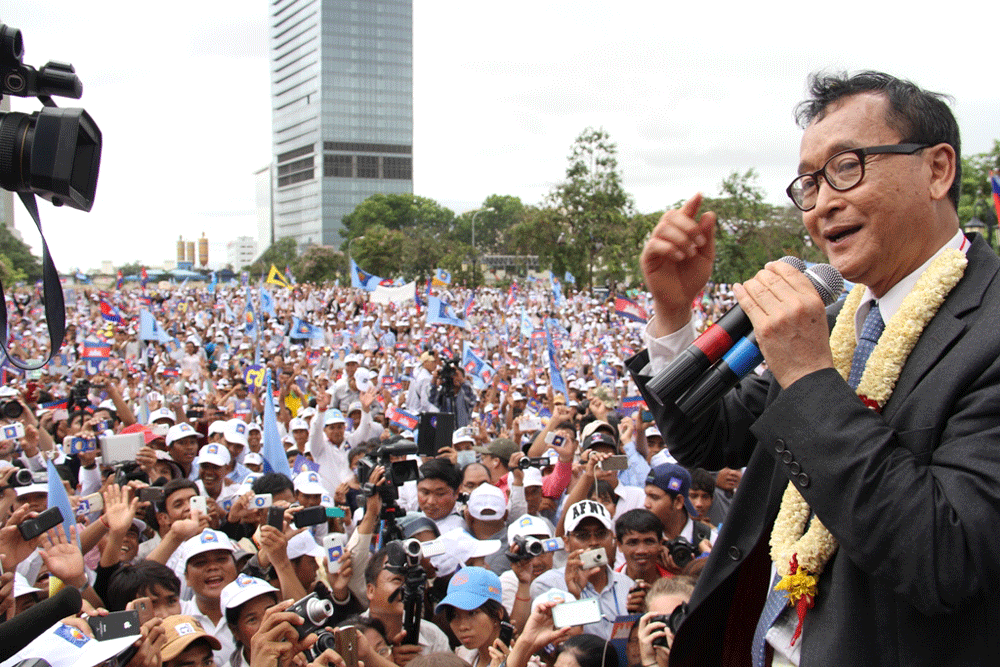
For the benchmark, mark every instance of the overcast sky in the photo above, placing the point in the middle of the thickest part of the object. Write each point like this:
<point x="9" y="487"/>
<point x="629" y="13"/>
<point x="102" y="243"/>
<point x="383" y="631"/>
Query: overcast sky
<point x="688" y="91"/>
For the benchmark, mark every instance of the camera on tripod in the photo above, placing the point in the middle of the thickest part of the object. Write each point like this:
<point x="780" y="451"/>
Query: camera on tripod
<point x="396" y="472"/>
<point x="54" y="153"/>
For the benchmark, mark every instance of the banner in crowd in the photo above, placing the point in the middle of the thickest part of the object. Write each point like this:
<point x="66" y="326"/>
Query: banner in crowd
<point x="398" y="295"/>
<point x="401" y="418"/>
<point x="254" y="375"/>
<point x="441" y="278"/>
<point x="632" y="404"/>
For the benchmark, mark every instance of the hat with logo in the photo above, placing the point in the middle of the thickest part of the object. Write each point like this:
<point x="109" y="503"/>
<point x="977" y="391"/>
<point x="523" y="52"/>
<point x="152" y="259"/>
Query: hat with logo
<point x="214" y="453"/>
<point x="236" y="432"/>
<point x="298" y="424"/>
<point x="598" y="426"/>
<point x="181" y="632"/>
<point x="207" y="540"/>
<point x="502" y="448"/>
<point x="586" y="509"/>
<point x="464" y="434"/>
<point x="179" y="431"/>
<point x="470" y="588"/>
<point x="334" y="417"/>
<point x="528" y="525"/>
<point x="162" y="413"/>
<point x="308" y="482"/>
<point x="675" y="480"/>
<point x="487" y="503"/>
<point x="244" y="589"/>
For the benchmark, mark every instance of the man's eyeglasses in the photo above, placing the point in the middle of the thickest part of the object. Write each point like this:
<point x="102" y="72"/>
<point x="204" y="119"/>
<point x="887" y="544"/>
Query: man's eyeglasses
<point x="842" y="172"/>
<point x="598" y="535"/>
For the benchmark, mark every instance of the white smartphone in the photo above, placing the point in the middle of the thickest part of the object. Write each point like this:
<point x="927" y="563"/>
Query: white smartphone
<point x="261" y="501"/>
<point x="618" y="462"/>
<point x="580" y="612"/>
<point x="594" y="558"/>
<point x="12" y="431"/>
<point x="199" y="503"/>
<point x="334" y="543"/>
<point x="121" y="448"/>
<point x="92" y="503"/>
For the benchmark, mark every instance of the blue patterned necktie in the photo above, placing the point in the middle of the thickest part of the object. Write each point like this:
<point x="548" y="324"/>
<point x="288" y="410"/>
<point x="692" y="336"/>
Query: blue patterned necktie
<point x="870" y="332"/>
<point x="775" y="603"/>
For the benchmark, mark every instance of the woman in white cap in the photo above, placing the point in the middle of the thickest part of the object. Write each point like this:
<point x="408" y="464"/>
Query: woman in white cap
<point x="244" y="602"/>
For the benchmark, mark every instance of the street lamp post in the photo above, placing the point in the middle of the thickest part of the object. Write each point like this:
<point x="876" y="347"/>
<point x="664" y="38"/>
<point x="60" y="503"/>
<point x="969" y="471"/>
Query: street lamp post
<point x="474" y="257"/>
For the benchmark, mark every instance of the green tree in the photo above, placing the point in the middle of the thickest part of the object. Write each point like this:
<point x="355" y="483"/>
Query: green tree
<point x="399" y="212"/>
<point x="591" y="202"/>
<point x="9" y="275"/>
<point x="131" y="269"/>
<point x="976" y="195"/>
<point x="19" y="255"/>
<point x="319" y="263"/>
<point x="281" y="253"/>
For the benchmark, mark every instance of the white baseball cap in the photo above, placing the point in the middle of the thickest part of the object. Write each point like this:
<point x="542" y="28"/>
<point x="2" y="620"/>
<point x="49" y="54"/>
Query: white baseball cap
<point x="236" y="432"/>
<point x="218" y="426"/>
<point x="244" y="589"/>
<point x="253" y="459"/>
<point x="334" y="417"/>
<point x="178" y="431"/>
<point x="586" y="509"/>
<point x="527" y="525"/>
<point x="532" y="477"/>
<point x="304" y="544"/>
<point x="308" y="483"/>
<point x="214" y="453"/>
<point x="162" y="413"/>
<point x="487" y="503"/>
<point x="208" y="540"/>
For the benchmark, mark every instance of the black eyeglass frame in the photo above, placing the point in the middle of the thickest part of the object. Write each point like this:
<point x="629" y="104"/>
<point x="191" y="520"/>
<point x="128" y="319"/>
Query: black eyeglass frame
<point x="862" y="153"/>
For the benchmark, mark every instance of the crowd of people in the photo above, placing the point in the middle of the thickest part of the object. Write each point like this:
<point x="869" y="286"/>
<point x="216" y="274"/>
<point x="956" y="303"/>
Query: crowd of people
<point x="551" y="485"/>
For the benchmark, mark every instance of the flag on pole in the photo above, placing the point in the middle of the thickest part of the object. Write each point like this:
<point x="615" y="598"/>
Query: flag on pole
<point x="213" y="283"/>
<point x="121" y="279"/>
<point x="274" y="454"/>
<point x="288" y="275"/>
<point x="995" y="186"/>
<point x="439" y="312"/>
<point x="266" y="301"/>
<point x="629" y="309"/>
<point x="110" y="313"/>
<point x="401" y="418"/>
<point x="302" y="329"/>
<point x="274" y="277"/>
<point x="143" y="277"/>
<point x="95" y="355"/>
<point x="59" y="498"/>
<point x="361" y="279"/>
<point x="441" y="278"/>
<point x="249" y="316"/>
<point x="569" y="278"/>
<point x="632" y="404"/>
<point x="150" y="329"/>
<point x="512" y="293"/>
<point x="468" y="304"/>
<point x="476" y="367"/>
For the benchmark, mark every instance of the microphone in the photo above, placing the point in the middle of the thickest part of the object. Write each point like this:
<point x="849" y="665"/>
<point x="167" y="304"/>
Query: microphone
<point x="745" y="355"/>
<point x="706" y="349"/>
<point x="21" y="630"/>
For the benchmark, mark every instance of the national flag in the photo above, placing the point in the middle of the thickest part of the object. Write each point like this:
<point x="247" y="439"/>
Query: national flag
<point x="476" y="367"/>
<point x="629" y="309"/>
<point x="143" y="277"/>
<point x="288" y="275"/>
<point x="441" y="278"/>
<point x="401" y="418"/>
<point x="995" y="186"/>
<point x="274" y="454"/>
<point x="95" y="355"/>
<point x="512" y="293"/>
<point x="171" y="372"/>
<point x="526" y="326"/>
<point x="274" y="277"/>
<point x="121" y="279"/>
<point x="302" y="329"/>
<point x="110" y="313"/>
<point x="54" y="405"/>
<point x="439" y="312"/>
<point x="630" y="404"/>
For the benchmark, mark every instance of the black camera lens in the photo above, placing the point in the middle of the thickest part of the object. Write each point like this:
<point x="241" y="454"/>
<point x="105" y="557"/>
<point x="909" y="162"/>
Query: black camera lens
<point x="21" y="478"/>
<point x="524" y="463"/>
<point x="11" y="409"/>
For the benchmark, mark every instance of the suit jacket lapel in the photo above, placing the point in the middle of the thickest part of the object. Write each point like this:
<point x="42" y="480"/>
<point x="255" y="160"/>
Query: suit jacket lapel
<point x="948" y="324"/>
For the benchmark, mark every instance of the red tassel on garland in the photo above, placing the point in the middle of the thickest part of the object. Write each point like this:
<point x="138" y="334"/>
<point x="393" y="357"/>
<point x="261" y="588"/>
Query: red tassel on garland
<point x="804" y="604"/>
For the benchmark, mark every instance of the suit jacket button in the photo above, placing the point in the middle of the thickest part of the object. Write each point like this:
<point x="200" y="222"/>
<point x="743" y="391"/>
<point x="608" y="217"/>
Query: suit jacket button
<point x="779" y="445"/>
<point x="795" y="467"/>
<point x="735" y="553"/>
<point x="803" y="480"/>
<point x="787" y="457"/>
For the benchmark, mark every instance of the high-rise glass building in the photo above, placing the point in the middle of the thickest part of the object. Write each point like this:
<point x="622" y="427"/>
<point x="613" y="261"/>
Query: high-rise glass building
<point x="342" y="110"/>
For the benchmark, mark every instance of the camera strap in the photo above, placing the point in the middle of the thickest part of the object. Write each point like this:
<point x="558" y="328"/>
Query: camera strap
<point x="55" y="306"/>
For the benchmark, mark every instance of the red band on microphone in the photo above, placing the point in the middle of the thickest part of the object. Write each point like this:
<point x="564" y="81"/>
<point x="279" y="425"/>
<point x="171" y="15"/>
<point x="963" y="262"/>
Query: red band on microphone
<point x="714" y="342"/>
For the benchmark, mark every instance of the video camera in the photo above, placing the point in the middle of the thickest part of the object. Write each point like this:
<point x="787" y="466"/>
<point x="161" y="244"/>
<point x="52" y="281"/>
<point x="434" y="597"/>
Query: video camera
<point x="396" y="474"/>
<point x="405" y="561"/>
<point x="54" y="153"/>
<point x="528" y="547"/>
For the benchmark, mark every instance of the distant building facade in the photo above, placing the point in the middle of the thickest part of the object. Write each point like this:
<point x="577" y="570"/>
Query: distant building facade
<point x="342" y="111"/>
<point x="241" y="251"/>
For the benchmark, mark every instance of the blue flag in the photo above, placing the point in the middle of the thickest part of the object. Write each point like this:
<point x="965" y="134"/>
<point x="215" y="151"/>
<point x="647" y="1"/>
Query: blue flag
<point x="58" y="497"/>
<point x="272" y="449"/>
<point x="230" y="315"/>
<point x="361" y="279"/>
<point x="526" y="327"/>
<point x="249" y="316"/>
<point x="568" y="278"/>
<point x="302" y="329"/>
<point x="213" y="283"/>
<point x="476" y="367"/>
<point x="150" y="329"/>
<point x="557" y="295"/>
<point x="555" y="370"/>
<point x="266" y="301"/>
<point x="439" y="312"/>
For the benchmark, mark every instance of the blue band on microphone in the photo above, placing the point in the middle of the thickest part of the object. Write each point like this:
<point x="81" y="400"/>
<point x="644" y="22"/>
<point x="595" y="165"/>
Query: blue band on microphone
<point x="743" y="357"/>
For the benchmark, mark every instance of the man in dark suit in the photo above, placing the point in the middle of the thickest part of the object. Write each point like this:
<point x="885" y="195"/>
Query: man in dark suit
<point x="905" y="477"/>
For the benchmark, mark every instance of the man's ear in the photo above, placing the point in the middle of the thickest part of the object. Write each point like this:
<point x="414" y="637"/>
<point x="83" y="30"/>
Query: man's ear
<point x="370" y="591"/>
<point x="942" y="162"/>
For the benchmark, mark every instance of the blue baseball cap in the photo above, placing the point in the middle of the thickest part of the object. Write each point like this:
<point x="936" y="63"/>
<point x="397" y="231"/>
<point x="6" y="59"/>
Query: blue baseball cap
<point x="470" y="588"/>
<point x="675" y="480"/>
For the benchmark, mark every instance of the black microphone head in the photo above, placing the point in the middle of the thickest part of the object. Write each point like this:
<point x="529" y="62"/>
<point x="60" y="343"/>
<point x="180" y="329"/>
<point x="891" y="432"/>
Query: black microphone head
<point x="827" y="281"/>
<point x="794" y="261"/>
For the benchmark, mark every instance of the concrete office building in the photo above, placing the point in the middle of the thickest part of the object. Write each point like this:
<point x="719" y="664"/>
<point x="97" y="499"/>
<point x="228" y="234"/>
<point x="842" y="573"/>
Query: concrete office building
<point x="342" y="110"/>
